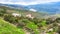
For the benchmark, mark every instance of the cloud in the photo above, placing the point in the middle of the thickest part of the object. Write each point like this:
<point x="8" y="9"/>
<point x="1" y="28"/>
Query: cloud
<point x="27" y="2"/>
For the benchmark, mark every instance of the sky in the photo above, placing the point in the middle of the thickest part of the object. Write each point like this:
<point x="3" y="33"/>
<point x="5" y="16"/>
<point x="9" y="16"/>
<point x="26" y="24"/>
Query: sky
<point x="27" y="2"/>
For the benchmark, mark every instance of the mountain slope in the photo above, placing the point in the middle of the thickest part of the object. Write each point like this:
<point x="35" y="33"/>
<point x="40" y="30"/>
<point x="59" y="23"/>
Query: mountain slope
<point x="7" y="28"/>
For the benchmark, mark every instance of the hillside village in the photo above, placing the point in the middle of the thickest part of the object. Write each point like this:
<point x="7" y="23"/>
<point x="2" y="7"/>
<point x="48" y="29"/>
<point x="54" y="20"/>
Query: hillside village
<point x="19" y="15"/>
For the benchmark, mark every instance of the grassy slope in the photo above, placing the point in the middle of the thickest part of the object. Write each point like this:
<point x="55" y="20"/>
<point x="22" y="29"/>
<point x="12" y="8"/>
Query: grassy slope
<point x="7" y="28"/>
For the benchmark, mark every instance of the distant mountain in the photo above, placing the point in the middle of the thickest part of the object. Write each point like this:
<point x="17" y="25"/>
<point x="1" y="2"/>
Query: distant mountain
<point x="50" y="8"/>
<point x="13" y="6"/>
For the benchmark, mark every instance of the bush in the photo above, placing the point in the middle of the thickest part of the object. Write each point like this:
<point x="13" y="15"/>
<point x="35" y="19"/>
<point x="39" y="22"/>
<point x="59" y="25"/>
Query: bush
<point x="10" y="19"/>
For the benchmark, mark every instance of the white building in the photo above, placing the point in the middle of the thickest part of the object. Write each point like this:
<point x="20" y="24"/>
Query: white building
<point x="51" y="29"/>
<point x="16" y="14"/>
<point x="29" y="16"/>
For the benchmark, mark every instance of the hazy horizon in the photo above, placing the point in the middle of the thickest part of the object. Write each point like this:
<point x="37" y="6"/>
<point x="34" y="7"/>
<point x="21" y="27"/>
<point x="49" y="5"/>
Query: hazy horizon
<point x="27" y="2"/>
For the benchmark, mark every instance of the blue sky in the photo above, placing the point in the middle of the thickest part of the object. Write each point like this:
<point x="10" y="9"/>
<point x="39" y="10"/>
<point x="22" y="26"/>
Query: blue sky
<point x="27" y="2"/>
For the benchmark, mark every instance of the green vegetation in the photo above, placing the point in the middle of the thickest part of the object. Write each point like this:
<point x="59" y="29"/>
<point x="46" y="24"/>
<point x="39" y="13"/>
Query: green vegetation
<point x="7" y="28"/>
<point x="10" y="24"/>
<point x="32" y="26"/>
